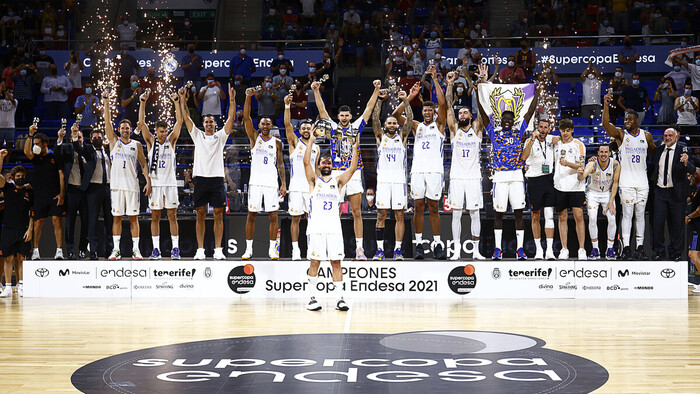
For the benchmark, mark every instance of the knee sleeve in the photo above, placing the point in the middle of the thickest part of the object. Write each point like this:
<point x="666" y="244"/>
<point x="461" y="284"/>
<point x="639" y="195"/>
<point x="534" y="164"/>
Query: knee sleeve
<point x="457" y="225"/>
<point x="476" y="222"/>
<point x="612" y="225"/>
<point x="626" y="224"/>
<point x="593" y="223"/>
<point x="639" y="222"/>
<point x="548" y="217"/>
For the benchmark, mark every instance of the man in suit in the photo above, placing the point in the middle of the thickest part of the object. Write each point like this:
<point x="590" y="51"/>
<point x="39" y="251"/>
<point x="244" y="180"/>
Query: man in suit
<point x="669" y="167"/>
<point x="74" y="169"/>
<point x="95" y="183"/>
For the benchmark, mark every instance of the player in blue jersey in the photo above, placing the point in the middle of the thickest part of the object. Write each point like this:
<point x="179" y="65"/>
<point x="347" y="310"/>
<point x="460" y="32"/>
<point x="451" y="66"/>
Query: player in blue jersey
<point x="508" y="182"/>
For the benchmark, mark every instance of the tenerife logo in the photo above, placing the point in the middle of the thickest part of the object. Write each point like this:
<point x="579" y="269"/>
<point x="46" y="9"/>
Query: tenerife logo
<point x="535" y="273"/>
<point x="462" y="280"/>
<point x="419" y="362"/>
<point x="241" y="279"/>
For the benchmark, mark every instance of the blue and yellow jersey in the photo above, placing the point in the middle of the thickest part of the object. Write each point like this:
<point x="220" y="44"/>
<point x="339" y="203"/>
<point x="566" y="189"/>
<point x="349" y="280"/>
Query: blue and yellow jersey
<point x="344" y="164"/>
<point x="507" y="147"/>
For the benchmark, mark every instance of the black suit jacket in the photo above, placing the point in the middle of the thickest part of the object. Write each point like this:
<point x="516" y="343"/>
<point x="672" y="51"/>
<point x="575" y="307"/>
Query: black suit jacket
<point x="678" y="170"/>
<point x="90" y="155"/>
<point x="66" y="151"/>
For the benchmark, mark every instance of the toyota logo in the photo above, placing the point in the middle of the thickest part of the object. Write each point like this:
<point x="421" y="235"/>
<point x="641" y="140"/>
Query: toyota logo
<point x="668" y="273"/>
<point x="41" y="272"/>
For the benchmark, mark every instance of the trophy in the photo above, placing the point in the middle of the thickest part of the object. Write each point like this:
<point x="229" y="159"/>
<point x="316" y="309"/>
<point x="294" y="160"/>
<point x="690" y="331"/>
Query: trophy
<point x="431" y="62"/>
<point x="74" y="136"/>
<point x="189" y="85"/>
<point x="63" y="123"/>
<point x="36" y="122"/>
<point x="323" y="79"/>
<point x="324" y="128"/>
<point x="345" y="140"/>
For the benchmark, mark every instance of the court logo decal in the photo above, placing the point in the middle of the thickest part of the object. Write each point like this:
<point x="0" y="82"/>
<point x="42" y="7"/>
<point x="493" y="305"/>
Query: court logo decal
<point x="412" y="362"/>
<point x="241" y="279"/>
<point x="462" y="280"/>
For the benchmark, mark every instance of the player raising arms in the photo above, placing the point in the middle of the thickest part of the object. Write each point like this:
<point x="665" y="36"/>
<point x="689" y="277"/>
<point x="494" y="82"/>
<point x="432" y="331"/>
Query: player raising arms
<point x="427" y="168"/>
<point x="636" y="145"/>
<point x="266" y="163"/>
<point x="391" y="172"/>
<point x="162" y="165"/>
<point x="125" y="153"/>
<point x="298" y="185"/>
<point x="465" y="171"/>
<point x="324" y="231"/>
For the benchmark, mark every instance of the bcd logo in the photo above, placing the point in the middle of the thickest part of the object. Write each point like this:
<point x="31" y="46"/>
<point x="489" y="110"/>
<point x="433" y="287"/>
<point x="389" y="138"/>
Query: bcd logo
<point x="64" y="272"/>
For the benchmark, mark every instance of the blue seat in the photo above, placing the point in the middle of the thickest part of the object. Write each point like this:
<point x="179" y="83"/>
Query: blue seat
<point x="417" y="29"/>
<point x="405" y="30"/>
<point x="578" y="88"/>
<point x="579" y="121"/>
<point x="677" y="25"/>
<point x="422" y="12"/>
<point x="650" y="87"/>
<point x="564" y="87"/>
<point x="635" y="27"/>
<point x="310" y="31"/>
<point x="569" y="100"/>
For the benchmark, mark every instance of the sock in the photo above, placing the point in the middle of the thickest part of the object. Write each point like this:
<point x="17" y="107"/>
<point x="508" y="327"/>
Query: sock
<point x="116" y="239"/>
<point x="498" y="233"/>
<point x="338" y="289"/>
<point x="611" y="242"/>
<point x="156" y="241"/>
<point x="312" y="285"/>
<point x="457" y="228"/>
<point x="397" y="245"/>
<point x="248" y="244"/>
<point x="476" y="246"/>
<point x="20" y="283"/>
<point x="8" y="285"/>
<point x="35" y="249"/>
<point x="639" y="223"/>
<point x="135" y="244"/>
<point x="295" y="246"/>
<point x="550" y="244"/>
<point x="380" y="238"/>
<point x="594" y="243"/>
<point x="436" y="238"/>
<point x="538" y="244"/>
<point x="176" y="241"/>
<point x="520" y="236"/>
<point x="273" y="244"/>
<point x="358" y="243"/>
<point x="419" y="237"/>
<point x="218" y="250"/>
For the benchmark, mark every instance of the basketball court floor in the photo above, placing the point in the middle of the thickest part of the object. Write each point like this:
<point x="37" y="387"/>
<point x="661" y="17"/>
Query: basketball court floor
<point x="383" y="346"/>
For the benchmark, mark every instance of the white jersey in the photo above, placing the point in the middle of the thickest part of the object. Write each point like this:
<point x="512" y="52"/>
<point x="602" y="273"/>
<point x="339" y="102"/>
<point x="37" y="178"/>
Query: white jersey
<point x="566" y="178"/>
<point x="541" y="158"/>
<point x="633" y="160"/>
<point x="427" y="149"/>
<point x="164" y="174"/>
<point x="297" y="180"/>
<point x="466" y="152"/>
<point x="123" y="172"/>
<point x="391" y="164"/>
<point x="208" y="153"/>
<point x="601" y="179"/>
<point x="263" y="164"/>
<point x="324" y="215"/>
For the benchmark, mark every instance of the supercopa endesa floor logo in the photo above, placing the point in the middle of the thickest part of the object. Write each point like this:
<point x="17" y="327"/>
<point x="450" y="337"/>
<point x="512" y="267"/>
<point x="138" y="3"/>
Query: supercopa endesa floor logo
<point x="241" y="279"/>
<point x="462" y="280"/>
<point x="412" y="362"/>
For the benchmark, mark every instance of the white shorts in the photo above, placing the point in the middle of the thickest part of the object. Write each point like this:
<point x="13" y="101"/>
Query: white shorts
<point x="326" y="247"/>
<point x="595" y="199"/>
<point x="633" y="195"/>
<point x="125" y="202"/>
<point x="504" y="192"/>
<point x="391" y="196"/>
<point x="354" y="186"/>
<point x="298" y="203"/>
<point x="163" y="197"/>
<point x="426" y="185"/>
<point x="259" y="196"/>
<point x="465" y="191"/>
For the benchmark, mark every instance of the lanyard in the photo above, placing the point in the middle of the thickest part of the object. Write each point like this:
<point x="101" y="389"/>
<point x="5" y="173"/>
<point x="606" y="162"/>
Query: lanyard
<point x="543" y="149"/>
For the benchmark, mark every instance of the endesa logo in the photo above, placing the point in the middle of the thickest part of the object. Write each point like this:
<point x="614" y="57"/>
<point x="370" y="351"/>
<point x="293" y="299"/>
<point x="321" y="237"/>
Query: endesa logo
<point x="241" y="279"/>
<point x="584" y="273"/>
<point x="123" y="273"/>
<point x="462" y="280"/>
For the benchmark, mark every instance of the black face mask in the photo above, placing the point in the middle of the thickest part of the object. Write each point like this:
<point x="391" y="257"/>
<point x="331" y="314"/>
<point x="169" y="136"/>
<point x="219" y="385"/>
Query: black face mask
<point x="97" y="142"/>
<point x="54" y="71"/>
<point x="191" y="50"/>
<point x="20" y="181"/>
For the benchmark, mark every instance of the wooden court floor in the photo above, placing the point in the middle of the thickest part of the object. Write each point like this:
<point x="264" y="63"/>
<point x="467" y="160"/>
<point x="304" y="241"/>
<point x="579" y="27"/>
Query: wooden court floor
<point x="650" y="346"/>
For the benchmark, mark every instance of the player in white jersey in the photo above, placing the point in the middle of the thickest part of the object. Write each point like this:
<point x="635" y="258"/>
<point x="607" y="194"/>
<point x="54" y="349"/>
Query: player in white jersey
<point x="125" y="153"/>
<point x="602" y="175"/>
<point x="354" y="188"/>
<point x="465" y="172"/>
<point x="162" y="165"/>
<point x="570" y="191"/>
<point x="208" y="171"/>
<point x="324" y="231"/>
<point x="635" y="146"/>
<point x="427" y="168"/>
<point x="263" y="188"/>
<point x="391" y="173"/>
<point x="298" y="185"/>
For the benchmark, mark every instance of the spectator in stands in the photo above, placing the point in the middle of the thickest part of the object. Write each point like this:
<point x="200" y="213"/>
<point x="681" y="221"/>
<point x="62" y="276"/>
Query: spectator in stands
<point x="291" y="32"/>
<point x="406" y="84"/>
<point x="460" y="30"/>
<point x="267" y="97"/>
<point x="679" y="76"/>
<point x="330" y="32"/>
<point x="660" y="26"/>
<point x="187" y="34"/>
<point x="128" y="67"/>
<point x="242" y="65"/>
<point x="290" y="16"/>
<point x="604" y="29"/>
<point x="520" y="28"/>
<point x="416" y="58"/>
<point x="560" y="31"/>
<point x="151" y="81"/>
<point x="330" y="8"/>
<point x="368" y="40"/>
<point x="211" y="95"/>
<point x="49" y="32"/>
<point x="24" y="94"/>
<point x="192" y="66"/>
<point x="397" y="64"/>
<point x="370" y="204"/>
<point x="467" y="53"/>
<point x="616" y="86"/>
<point x="10" y="22"/>
<point x="193" y="109"/>
<point x="273" y="18"/>
<point x="694" y="69"/>
<point x="628" y="59"/>
<point x="462" y="98"/>
<point x="441" y="63"/>
<point x="61" y="35"/>
<point x="55" y="89"/>
<point x="130" y="99"/>
<point x="73" y="69"/>
<point x="307" y="12"/>
<point x="385" y="13"/>
<point x="98" y="59"/>
<point x="512" y="73"/>
<point x="351" y="19"/>
<point x="43" y="63"/>
<point x="591" y="79"/>
<point x="271" y="34"/>
<point x="127" y="33"/>
<point x="240" y="89"/>
<point x="8" y="108"/>
<point x="87" y="105"/>
<point x="688" y="108"/>
<point x="526" y="59"/>
<point x="477" y="34"/>
<point x="434" y="41"/>
<point x="310" y="77"/>
<point x="281" y="83"/>
<point x="635" y="97"/>
<point x="9" y="72"/>
<point x="666" y="95"/>
<point x="541" y="16"/>
<point x="299" y="102"/>
<point x="275" y="65"/>
<point x="549" y="80"/>
<point x="395" y="36"/>
<point x="327" y="67"/>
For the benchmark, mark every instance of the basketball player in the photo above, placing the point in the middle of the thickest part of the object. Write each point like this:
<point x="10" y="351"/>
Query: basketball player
<point x="161" y="158"/>
<point x="538" y="155"/>
<point x="391" y="172"/>
<point x="427" y="167"/>
<point x="298" y="185"/>
<point x="324" y="231"/>
<point x="263" y="190"/>
<point x="603" y="176"/>
<point x="693" y="224"/>
<point x="354" y="188"/>
<point x="125" y="153"/>
<point x="208" y="171"/>
<point x="570" y="190"/>
<point x="465" y="172"/>
<point x="636" y="145"/>
<point x="508" y="182"/>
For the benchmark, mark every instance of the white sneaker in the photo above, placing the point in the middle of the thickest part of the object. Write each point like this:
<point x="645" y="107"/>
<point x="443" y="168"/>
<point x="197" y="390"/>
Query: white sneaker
<point x="219" y="255"/>
<point x="35" y="255"/>
<point x="539" y="254"/>
<point x="296" y="255"/>
<point x="274" y="255"/>
<point x="564" y="254"/>
<point x="200" y="255"/>
<point x="247" y="255"/>
<point x="20" y="291"/>
<point x="313" y="305"/>
<point x="455" y="256"/>
<point x="116" y="255"/>
<point x="549" y="255"/>
<point x="136" y="254"/>
<point x="7" y="292"/>
<point x="695" y="290"/>
<point x="477" y="256"/>
<point x="582" y="254"/>
<point x="342" y="306"/>
<point x="58" y="255"/>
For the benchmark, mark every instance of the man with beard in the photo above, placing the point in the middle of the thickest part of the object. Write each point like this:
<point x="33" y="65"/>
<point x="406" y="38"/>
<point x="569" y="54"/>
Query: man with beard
<point x="636" y="145"/>
<point x="391" y="172"/>
<point x="263" y="190"/>
<point x="324" y="232"/>
<point x="298" y="185"/>
<point x="465" y="172"/>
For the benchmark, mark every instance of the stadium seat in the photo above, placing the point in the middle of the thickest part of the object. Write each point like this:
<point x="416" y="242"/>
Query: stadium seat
<point x="569" y="100"/>
<point x="650" y="87"/>
<point x="635" y="27"/>
<point x="405" y="30"/>
<point x="310" y="31"/>
<point x="564" y="87"/>
<point x="580" y="121"/>
<point x="417" y="29"/>
<point x="677" y="26"/>
<point x="578" y="89"/>
<point x="422" y="12"/>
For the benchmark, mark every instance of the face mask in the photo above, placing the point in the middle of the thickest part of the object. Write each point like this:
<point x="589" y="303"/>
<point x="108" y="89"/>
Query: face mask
<point x="54" y="71"/>
<point x="23" y="72"/>
<point x="393" y="53"/>
<point x="635" y="82"/>
<point x="210" y="81"/>
<point x="126" y="23"/>
<point x="409" y="73"/>
<point x="657" y="15"/>
<point x="591" y="76"/>
<point x="366" y="25"/>
<point x="97" y="142"/>
<point x="280" y="57"/>
<point x="477" y="27"/>
<point x="697" y="62"/>
<point x="399" y="59"/>
<point x="312" y="69"/>
<point x="271" y="29"/>
<point x="352" y="12"/>
<point x="47" y="30"/>
<point x="605" y="22"/>
<point x="88" y="90"/>
<point x="272" y="12"/>
<point x="134" y="85"/>
<point x="42" y="52"/>
<point x="242" y="51"/>
<point x="289" y="12"/>
<point x="391" y="82"/>
<point x="187" y="23"/>
<point x="290" y="27"/>
<point x="433" y="34"/>
<point x="511" y="63"/>
<point x="562" y="26"/>
<point x="283" y="71"/>
<point x="415" y="45"/>
<point x="460" y="90"/>
<point x="461" y="24"/>
<point x="677" y="68"/>
<point x="268" y="84"/>
<point x="20" y="181"/>
<point x="386" y="9"/>
<point x="36" y="149"/>
<point x="332" y="26"/>
<point x="438" y="56"/>
<point x="236" y="83"/>
<point x="688" y="92"/>
<point x="618" y="74"/>
<point x="524" y="20"/>
<point x="370" y="198"/>
<point x="194" y="89"/>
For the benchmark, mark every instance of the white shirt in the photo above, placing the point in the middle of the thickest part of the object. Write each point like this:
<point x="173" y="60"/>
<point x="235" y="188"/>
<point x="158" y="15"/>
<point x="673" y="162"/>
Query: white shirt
<point x="391" y="161"/>
<point x="7" y="113"/>
<point x="97" y="175"/>
<point x="123" y="172"/>
<point x="428" y="149"/>
<point x="297" y="179"/>
<point x="208" y="153"/>
<point x="601" y="180"/>
<point x="464" y="52"/>
<point x="466" y="155"/>
<point x="633" y="160"/>
<point x="694" y="75"/>
<point x="605" y="31"/>
<point x="211" y="102"/>
<point x="688" y="116"/>
<point x="541" y="153"/>
<point x="307" y="7"/>
<point x="324" y="215"/>
<point x="565" y="177"/>
<point x="351" y="18"/>
<point x="662" y="167"/>
<point x="74" y="75"/>
<point x="165" y="168"/>
<point x="127" y="33"/>
<point x="591" y="91"/>
<point x="263" y="163"/>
